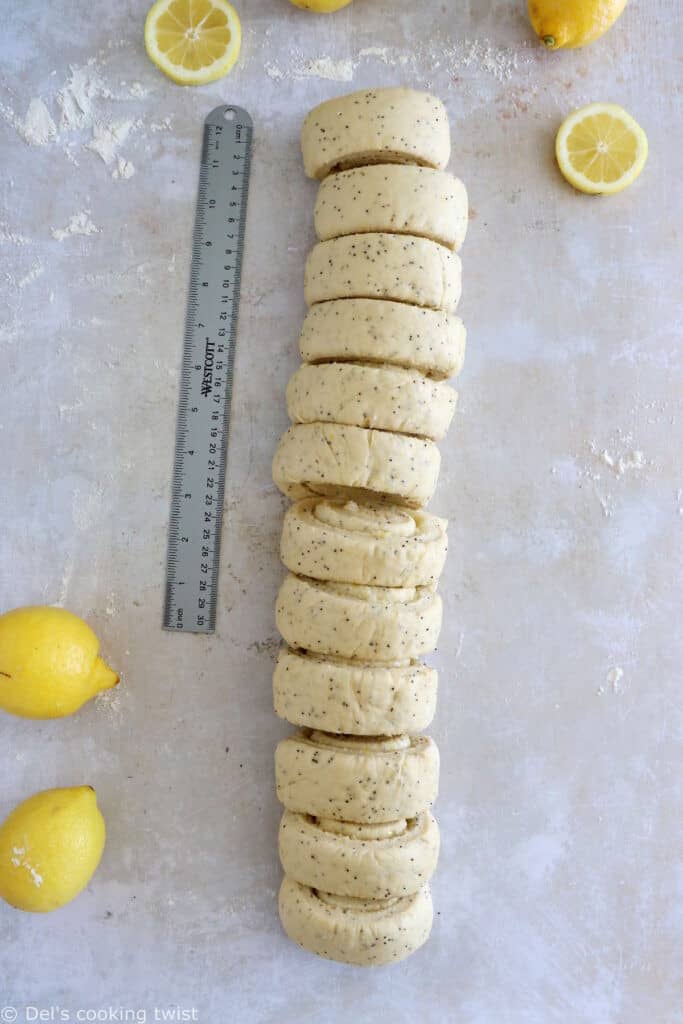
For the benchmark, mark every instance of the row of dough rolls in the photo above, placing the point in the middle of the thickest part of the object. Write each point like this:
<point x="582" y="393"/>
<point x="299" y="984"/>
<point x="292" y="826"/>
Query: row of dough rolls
<point x="359" y="608"/>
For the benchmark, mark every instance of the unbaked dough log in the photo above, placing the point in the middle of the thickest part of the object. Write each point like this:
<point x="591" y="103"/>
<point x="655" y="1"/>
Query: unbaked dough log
<point x="395" y="126"/>
<point x="354" y="697"/>
<point x="351" y="621"/>
<point x="401" y="199"/>
<point x="374" y="862"/>
<point x="378" y="265"/>
<point x="377" y="331"/>
<point x="379" y="545"/>
<point x="367" y="933"/>
<point x="380" y="397"/>
<point x="335" y="460"/>
<point x="356" y="778"/>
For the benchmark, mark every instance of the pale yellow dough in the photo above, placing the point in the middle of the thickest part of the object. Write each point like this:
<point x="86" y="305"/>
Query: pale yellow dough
<point x="354" y="697"/>
<point x="400" y="199"/>
<point x="374" y="862"/>
<point x="375" y="544"/>
<point x="380" y="397"/>
<point x="377" y="331"/>
<point x="335" y="460"/>
<point x="367" y="933"/>
<point x="357" y="778"/>
<point x="378" y="265"/>
<point x="351" y="621"/>
<point x="376" y="126"/>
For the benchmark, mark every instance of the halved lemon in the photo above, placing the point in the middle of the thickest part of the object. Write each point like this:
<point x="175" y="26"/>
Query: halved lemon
<point x="193" y="41"/>
<point x="601" y="149"/>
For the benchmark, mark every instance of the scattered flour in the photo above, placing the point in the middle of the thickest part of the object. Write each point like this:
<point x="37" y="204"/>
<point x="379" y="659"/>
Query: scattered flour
<point x="12" y="237"/>
<point x="379" y="52"/>
<point x="35" y="272"/>
<point x="500" y="62"/>
<point x="124" y="169"/>
<point x="80" y="224"/>
<point x="86" y="509"/>
<point x="106" y="139"/>
<point x="631" y="460"/>
<point x="66" y="410"/>
<point x="19" y="860"/>
<point x="109" y="703"/>
<point x="332" y="70"/>
<point x="37" y="128"/>
<point x="75" y="98"/>
<point x="79" y="111"/>
<point x="613" y="679"/>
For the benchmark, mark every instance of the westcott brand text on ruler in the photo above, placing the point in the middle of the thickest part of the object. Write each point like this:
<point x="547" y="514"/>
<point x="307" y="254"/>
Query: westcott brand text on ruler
<point x="201" y="445"/>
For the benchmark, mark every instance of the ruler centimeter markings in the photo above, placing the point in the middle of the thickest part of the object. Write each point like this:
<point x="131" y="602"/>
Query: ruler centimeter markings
<point x="206" y="383"/>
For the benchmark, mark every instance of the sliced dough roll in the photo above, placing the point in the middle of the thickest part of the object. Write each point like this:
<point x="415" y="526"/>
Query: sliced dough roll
<point x="354" y="697"/>
<point x="357" y="778"/>
<point x="402" y="199"/>
<point x="351" y="621"/>
<point x="379" y="545"/>
<point x="334" y="460"/>
<point x="393" y="126"/>
<point x="367" y="933"/>
<point x="378" y="265"/>
<point x="372" y="862"/>
<point x="381" y="397"/>
<point x="379" y="331"/>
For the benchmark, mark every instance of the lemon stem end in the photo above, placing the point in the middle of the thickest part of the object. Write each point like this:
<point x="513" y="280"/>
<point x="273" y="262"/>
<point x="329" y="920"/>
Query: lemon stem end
<point x="548" y="41"/>
<point x="103" y="677"/>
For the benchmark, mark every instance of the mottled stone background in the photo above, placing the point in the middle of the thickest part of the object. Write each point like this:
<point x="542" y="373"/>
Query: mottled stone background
<point x="560" y="884"/>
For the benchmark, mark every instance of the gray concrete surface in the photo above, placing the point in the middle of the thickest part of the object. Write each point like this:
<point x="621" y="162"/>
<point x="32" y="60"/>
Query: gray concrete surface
<point x="559" y="890"/>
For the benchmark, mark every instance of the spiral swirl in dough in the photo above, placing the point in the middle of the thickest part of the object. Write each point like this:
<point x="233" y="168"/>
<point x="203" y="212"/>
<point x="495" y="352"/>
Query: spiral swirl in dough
<point x="394" y="125"/>
<point x="367" y="933"/>
<point x="379" y="331"/>
<point x="363" y="779"/>
<point x="380" y="397"/>
<point x="398" y="198"/>
<point x="354" y="697"/>
<point x="374" y="544"/>
<point x="378" y="265"/>
<point x="372" y="862"/>
<point x="348" y="620"/>
<point x="335" y="460"/>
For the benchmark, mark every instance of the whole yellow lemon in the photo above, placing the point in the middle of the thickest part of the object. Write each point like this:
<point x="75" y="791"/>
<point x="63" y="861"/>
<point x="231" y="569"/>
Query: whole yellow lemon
<point x="572" y="23"/>
<point x="49" y="663"/>
<point x="321" y="6"/>
<point x="50" y="847"/>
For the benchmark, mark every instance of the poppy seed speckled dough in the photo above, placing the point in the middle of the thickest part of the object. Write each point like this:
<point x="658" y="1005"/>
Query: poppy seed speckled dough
<point x="379" y="545"/>
<point x="351" y="621"/>
<point x="357" y="778"/>
<point x="397" y="198"/>
<point x="394" y="858"/>
<point x="378" y="265"/>
<point x="373" y="126"/>
<point x="336" y="460"/>
<point x="380" y="397"/>
<point x="354" y="697"/>
<point x="357" y="841"/>
<point x="367" y="933"/>
<point x="380" y="331"/>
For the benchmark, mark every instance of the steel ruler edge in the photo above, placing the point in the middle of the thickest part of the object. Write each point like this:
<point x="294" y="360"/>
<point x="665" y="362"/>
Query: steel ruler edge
<point x="206" y="384"/>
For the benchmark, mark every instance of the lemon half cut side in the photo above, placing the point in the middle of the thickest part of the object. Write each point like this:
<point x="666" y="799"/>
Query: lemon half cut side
<point x="193" y="41"/>
<point x="601" y="149"/>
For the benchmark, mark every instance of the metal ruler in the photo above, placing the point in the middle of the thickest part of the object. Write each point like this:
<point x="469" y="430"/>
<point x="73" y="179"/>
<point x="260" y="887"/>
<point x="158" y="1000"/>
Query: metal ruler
<point x="206" y="382"/>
